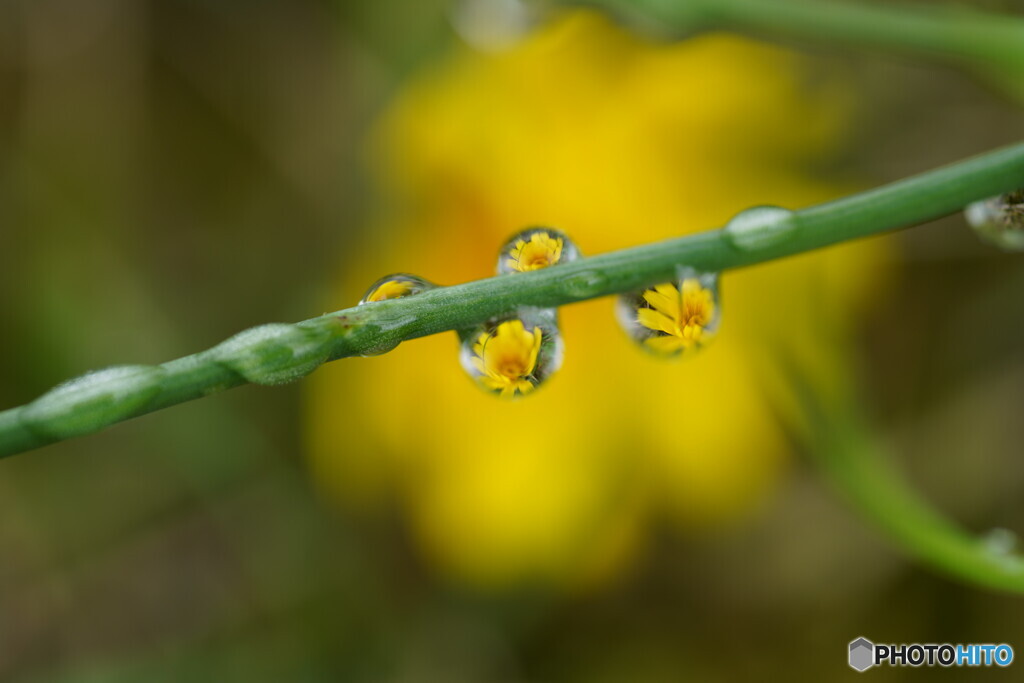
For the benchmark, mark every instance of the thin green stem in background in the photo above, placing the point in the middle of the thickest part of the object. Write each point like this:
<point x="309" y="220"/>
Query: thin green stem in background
<point x="279" y="352"/>
<point x="991" y="45"/>
<point x="863" y="470"/>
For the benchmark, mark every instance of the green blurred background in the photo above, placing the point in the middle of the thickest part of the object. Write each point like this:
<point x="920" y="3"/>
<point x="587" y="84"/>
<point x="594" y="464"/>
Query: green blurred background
<point x="173" y="171"/>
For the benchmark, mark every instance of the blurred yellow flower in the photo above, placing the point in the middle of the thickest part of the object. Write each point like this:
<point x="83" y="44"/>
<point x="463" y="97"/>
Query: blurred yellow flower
<point x="506" y="358"/>
<point x="542" y="250"/>
<point x="616" y="141"/>
<point x="681" y="314"/>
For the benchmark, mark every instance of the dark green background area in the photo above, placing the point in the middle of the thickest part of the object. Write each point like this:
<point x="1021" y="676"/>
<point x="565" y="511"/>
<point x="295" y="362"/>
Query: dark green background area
<point x="174" y="171"/>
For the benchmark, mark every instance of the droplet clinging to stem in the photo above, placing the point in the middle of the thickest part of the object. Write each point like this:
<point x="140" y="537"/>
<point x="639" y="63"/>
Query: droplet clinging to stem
<point x="760" y="227"/>
<point x="512" y="357"/>
<point x="395" y="286"/>
<point x="999" y="221"/>
<point x="536" y="248"/>
<point x="674" y="318"/>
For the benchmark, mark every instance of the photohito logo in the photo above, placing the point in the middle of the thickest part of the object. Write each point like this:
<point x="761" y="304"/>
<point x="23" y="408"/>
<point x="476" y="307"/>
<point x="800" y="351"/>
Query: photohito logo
<point x="864" y="654"/>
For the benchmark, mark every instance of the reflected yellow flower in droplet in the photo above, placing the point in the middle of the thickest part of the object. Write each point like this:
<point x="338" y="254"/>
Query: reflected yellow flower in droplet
<point x="540" y="251"/>
<point x="615" y="141"/>
<point x="392" y="289"/>
<point x="681" y="313"/>
<point x="507" y="357"/>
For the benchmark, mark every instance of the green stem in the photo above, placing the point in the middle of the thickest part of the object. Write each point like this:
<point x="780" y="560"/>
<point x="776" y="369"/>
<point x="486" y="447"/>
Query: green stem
<point x="276" y="353"/>
<point x="861" y="469"/>
<point x="956" y="35"/>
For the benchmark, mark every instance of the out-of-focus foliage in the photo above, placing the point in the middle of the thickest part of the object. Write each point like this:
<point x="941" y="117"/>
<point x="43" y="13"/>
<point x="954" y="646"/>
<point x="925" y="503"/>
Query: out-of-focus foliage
<point x="166" y="167"/>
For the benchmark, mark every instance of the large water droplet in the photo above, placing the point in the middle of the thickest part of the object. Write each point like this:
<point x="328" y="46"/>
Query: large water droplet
<point x="760" y="227"/>
<point x="275" y="353"/>
<point x="536" y="248"/>
<point x="395" y="286"/>
<point x="512" y="357"/>
<point x="999" y="221"/>
<point x="674" y="318"/>
<point x="87" y="403"/>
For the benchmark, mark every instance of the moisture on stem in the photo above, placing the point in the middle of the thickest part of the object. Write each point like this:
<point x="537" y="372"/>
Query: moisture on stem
<point x="279" y="352"/>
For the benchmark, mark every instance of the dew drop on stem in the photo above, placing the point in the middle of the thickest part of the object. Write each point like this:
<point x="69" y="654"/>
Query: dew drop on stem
<point x="513" y="356"/>
<point x="999" y="221"/>
<point x="274" y="353"/>
<point x="536" y="248"/>
<point x="395" y="286"/>
<point x="673" y="319"/>
<point x="83" y="405"/>
<point x="760" y="227"/>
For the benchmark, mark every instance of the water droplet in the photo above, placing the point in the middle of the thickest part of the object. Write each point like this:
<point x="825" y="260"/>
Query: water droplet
<point x="493" y="25"/>
<point x="513" y="356"/>
<point x="381" y="337"/>
<point x="585" y="284"/>
<point x="395" y="286"/>
<point x="674" y="318"/>
<point x="536" y="248"/>
<point x="90" y="402"/>
<point x="760" y="227"/>
<point x="275" y="353"/>
<point x="999" y="221"/>
<point x="1000" y="541"/>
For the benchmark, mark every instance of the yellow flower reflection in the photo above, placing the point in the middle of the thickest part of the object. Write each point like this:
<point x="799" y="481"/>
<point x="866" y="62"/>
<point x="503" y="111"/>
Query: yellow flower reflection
<point x="637" y="142"/>
<point x="681" y="314"/>
<point x="540" y="251"/>
<point x="507" y="357"/>
<point x="392" y="289"/>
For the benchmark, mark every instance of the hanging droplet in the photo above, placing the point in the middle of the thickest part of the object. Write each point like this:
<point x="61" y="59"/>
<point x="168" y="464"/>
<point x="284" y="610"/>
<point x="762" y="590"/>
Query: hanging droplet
<point x="395" y="286"/>
<point x="512" y="357"/>
<point x="760" y="227"/>
<point x="999" y="221"/>
<point x="674" y="318"/>
<point x="536" y="248"/>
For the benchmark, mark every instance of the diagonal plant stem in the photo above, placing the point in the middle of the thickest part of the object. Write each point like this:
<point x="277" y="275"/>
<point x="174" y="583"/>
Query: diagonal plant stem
<point x="276" y="353"/>
<point x="990" y="44"/>
<point x="862" y="469"/>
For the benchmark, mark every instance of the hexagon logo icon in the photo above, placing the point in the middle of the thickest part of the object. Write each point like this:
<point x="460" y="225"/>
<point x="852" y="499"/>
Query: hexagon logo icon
<point x="862" y="654"/>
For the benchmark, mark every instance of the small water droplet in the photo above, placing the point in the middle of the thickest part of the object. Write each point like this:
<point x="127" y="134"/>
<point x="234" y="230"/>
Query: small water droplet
<point x="493" y="25"/>
<point x="760" y="227"/>
<point x="1000" y="541"/>
<point x="536" y="248"/>
<point x="87" y="403"/>
<point x="513" y="356"/>
<point x="383" y="343"/>
<point x="999" y="221"/>
<point x="395" y="286"/>
<point x="585" y="284"/>
<point x="675" y="318"/>
<point x="274" y="353"/>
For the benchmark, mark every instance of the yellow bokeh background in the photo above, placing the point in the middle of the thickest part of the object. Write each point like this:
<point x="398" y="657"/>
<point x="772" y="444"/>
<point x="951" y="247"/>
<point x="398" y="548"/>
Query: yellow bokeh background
<point x="616" y="141"/>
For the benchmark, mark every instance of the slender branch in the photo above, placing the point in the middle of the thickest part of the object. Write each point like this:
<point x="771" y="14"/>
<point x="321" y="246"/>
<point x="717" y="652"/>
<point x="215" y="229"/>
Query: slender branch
<point x="861" y="469"/>
<point x="990" y="43"/>
<point x="277" y="353"/>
